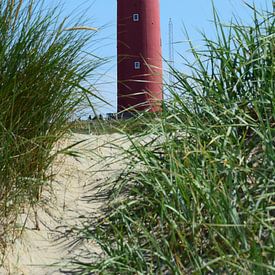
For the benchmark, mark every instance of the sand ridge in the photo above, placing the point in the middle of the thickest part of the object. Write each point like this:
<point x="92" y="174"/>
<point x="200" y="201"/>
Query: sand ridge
<point x="42" y="252"/>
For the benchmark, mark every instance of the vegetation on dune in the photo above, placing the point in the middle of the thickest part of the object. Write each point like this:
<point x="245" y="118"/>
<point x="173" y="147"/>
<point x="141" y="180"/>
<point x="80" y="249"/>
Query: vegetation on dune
<point x="42" y="73"/>
<point x="202" y="199"/>
<point x="131" y="126"/>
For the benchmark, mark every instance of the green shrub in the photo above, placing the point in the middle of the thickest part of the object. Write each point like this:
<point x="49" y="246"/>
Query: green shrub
<point x="42" y="71"/>
<point x="202" y="199"/>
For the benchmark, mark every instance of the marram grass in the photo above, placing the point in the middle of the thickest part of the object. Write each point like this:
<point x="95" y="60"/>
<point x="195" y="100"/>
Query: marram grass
<point x="203" y="201"/>
<point x="42" y="73"/>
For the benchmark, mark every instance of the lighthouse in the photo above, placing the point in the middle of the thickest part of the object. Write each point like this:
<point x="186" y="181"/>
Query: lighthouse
<point x="139" y="61"/>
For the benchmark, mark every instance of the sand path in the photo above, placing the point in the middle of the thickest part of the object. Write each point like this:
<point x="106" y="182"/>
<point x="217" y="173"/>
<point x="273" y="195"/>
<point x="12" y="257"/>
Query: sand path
<point x="40" y="252"/>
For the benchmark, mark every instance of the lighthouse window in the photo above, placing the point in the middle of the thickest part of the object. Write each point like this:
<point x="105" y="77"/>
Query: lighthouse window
<point x="135" y="17"/>
<point x="137" y="65"/>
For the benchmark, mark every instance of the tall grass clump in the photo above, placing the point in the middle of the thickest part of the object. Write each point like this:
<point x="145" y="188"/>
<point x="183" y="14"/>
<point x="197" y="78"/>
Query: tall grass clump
<point x="43" y="76"/>
<point x="199" y="197"/>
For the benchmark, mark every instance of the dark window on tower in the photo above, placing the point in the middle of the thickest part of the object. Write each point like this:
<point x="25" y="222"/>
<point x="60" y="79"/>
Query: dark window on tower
<point x="137" y="65"/>
<point x="135" y="17"/>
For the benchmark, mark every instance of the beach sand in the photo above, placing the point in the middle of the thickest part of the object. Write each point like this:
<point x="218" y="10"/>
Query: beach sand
<point x="66" y="204"/>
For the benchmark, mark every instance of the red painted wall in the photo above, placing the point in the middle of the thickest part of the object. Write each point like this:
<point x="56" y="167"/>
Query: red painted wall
<point x="139" y="41"/>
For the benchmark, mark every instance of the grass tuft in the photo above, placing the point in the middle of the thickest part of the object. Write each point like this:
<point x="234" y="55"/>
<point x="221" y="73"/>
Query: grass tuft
<point x="199" y="197"/>
<point x="44" y="74"/>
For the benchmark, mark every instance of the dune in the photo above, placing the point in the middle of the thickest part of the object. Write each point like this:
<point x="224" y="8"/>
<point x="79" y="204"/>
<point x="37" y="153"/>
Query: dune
<point x="66" y="204"/>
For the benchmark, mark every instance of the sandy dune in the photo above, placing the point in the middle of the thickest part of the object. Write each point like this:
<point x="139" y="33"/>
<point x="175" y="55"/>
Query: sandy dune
<point x="41" y="251"/>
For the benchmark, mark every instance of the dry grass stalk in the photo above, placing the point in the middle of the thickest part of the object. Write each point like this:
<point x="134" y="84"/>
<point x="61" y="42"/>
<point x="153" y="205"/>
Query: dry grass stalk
<point x="81" y="28"/>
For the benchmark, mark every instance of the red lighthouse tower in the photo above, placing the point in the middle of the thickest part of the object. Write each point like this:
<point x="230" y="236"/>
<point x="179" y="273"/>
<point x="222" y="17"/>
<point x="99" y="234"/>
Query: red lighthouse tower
<point x="139" y="61"/>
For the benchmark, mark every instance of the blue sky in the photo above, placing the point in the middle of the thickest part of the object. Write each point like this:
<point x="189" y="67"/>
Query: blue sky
<point x="195" y="15"/>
